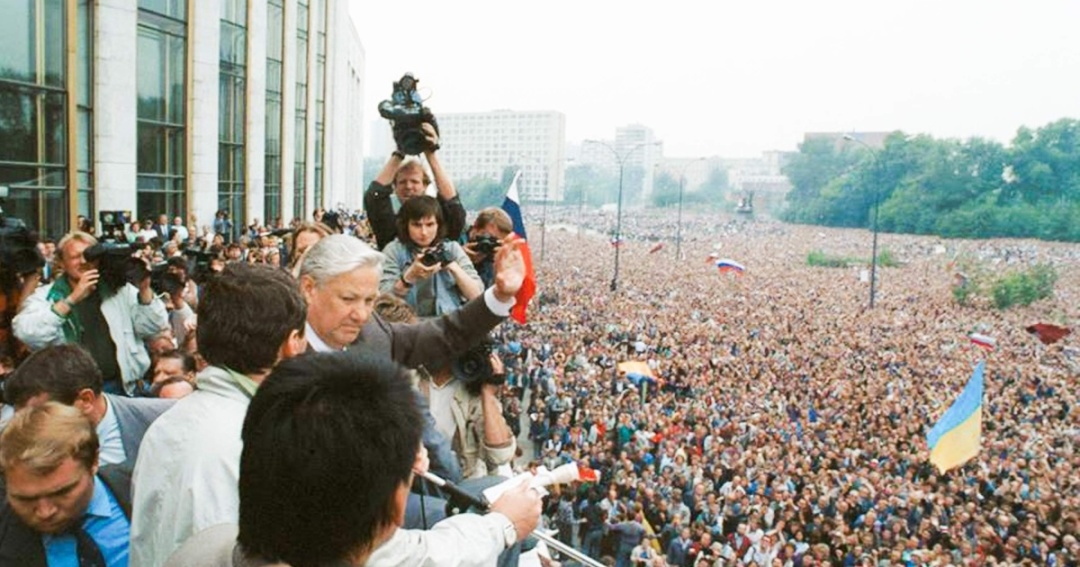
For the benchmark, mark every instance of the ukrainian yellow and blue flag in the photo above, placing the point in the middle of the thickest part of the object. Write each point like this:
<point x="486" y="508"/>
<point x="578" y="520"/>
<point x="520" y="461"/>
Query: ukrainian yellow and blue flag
<point x="954" y="439"/>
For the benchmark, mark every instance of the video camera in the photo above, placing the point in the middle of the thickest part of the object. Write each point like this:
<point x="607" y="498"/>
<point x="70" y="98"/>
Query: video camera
<point x="19" y="253"/>
<point x="406" y="113"/>
<point x="117" y="265"/>
<point x="474" y="367"/>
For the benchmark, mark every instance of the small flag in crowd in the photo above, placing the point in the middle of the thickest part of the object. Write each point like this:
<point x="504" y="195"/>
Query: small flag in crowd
<point x="1047" y="333"/>
<point x="616" y="241"/>
<point x="725" y="265"/>
<point x="711" y="257"/>
<point x="983" y="341"/>
<point x="585" y="474"/>
<point x="954" y="439"/>
<point x="656" y="248"/>
<point x="512" y="206"/>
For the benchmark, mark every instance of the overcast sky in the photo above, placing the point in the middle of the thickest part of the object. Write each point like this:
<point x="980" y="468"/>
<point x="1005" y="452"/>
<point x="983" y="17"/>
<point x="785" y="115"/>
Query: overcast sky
<point x="735" y="78"/>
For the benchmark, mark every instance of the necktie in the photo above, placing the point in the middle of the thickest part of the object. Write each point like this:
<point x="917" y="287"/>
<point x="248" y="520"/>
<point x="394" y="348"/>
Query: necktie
<point x="87" y="550"/>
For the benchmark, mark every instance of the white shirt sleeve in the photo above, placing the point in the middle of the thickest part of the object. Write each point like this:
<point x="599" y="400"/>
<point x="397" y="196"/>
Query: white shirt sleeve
<point x="500" y="308"/>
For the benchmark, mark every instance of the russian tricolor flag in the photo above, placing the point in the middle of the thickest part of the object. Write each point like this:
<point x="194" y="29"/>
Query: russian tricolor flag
<point x="983" y="341"/>
<point x="725" y="265"/>
<point x="512" y="206"/>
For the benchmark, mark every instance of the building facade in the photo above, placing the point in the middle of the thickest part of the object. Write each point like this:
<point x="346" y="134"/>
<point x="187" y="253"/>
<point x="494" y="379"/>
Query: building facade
<point x="482" y="144"/>
<point x="179" y="107"/>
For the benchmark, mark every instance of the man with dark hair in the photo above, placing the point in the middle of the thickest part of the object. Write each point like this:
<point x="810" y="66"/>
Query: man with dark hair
<point x="330" y="448"/>
<point x="61" y="509"/>
<point x="407" y="179"/>
<point x="250" y="318"/>
<point x="67" y="374"/>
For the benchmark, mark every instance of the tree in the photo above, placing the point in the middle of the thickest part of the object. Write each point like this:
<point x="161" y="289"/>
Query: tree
<point x="590" y="183"/>
<point x="665" y="190"/>
<point x="479" y="192"/>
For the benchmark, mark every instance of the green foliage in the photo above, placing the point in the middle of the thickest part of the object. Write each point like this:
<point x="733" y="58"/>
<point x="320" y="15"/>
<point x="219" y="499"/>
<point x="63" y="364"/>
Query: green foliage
<point x="819" y="259"/>
<point x="480" y="192"/>
<point x="964" y="189"/>
<point x="665" y="190"/>
<point x="886" y="259"/>
<point x="590" y="184"/>
<point x="1024" y="287"/>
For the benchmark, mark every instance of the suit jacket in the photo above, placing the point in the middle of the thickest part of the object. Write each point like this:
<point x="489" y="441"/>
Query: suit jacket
<point x="20" y="546"/>
<point x="134" y="415"/>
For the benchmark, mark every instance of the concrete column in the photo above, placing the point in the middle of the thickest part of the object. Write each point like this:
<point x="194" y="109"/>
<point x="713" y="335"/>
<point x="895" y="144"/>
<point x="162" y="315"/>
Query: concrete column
<point x="204" y="38"/>
<point x="255" y="139"/>
<point x="115" y="101"/>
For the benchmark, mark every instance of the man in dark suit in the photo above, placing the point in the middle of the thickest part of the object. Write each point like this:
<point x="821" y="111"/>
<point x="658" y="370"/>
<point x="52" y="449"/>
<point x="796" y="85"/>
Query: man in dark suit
<point x="60" y="508"/>
<point x="69" y="375"/>
<point x="339" y="279"/>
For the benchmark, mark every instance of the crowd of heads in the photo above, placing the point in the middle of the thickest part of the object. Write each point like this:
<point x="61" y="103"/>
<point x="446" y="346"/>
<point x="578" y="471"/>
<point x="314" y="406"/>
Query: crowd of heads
<point x="785" y="407"/>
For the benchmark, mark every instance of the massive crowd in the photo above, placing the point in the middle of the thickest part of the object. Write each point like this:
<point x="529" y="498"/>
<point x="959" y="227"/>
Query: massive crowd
<point x="786" y="421"/>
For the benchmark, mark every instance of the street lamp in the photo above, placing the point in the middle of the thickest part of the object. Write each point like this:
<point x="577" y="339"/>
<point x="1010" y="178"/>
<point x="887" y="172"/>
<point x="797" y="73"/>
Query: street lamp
<point x="877" y="202"/>
<point x="678" y="226"/>
<point x="621" y="159"/>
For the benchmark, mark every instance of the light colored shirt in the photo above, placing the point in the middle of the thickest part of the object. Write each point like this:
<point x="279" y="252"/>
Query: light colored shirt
<point x="188" y="468"/>
<point x="313" y="339"/>
<point x="442" y="407"/>
<point x="108" y="432"/>
<point x="105" y="523"/>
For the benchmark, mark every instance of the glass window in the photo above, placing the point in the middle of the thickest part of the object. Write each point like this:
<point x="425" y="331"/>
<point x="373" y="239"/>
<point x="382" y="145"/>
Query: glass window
<point x="162" y="49"/>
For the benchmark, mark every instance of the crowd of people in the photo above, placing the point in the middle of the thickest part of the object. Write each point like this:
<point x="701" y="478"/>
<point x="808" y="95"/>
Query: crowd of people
<point x="787" y="422"/>
<point x="771" y="417"/>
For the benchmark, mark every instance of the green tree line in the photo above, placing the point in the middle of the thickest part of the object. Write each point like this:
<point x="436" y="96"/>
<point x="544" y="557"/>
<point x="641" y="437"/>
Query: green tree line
<point x="975" y="188"/>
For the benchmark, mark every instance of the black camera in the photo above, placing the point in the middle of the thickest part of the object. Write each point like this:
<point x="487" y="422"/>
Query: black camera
<point x="406" y="112"/>
<point x="117" y="265"/>
<point x="474" y="367"/>
<point x="485" y="244"/>
<point x="438" y="254"/>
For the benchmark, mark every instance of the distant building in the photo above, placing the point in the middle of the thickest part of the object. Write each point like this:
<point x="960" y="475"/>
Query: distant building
<point x="642" y="153"/>
<point x="483" y="144"/>
<point x="183" y="107"/>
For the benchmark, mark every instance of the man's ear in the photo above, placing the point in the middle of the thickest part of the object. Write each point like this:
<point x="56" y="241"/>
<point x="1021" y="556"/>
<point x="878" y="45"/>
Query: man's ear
<point x="295" y="345"/>
<point x="85" y="400"/>
<point x="307" y="287"/>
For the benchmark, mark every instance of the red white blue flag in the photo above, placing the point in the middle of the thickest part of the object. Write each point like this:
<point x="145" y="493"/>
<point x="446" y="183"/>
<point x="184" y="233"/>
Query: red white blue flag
<point x="512" y="206"/>
<point x="725" y="265"/>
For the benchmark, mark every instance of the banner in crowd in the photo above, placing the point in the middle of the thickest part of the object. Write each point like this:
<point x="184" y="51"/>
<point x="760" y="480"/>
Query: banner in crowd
<point x="954" y="439"/>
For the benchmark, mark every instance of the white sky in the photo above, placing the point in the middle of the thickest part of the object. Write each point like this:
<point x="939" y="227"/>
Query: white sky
<point x="734" y="78"/>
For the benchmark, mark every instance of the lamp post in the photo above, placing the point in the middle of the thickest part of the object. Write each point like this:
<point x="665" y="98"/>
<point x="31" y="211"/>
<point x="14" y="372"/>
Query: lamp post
<point x="877" y="202"/>
<point x="621" y="159"/>
<point x="678" y="225"/>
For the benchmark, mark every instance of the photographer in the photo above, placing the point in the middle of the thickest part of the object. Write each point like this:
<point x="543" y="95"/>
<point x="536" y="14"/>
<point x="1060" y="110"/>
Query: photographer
<point x="490" y="226"/>
<point x="110" y="320"/>
<point x="407" y="179"/>
<point x="432" y="274"/>
<point x="465" y="403"/>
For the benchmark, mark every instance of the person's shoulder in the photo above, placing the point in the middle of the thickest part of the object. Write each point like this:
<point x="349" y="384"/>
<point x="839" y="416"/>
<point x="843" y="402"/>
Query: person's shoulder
<point x="212" y="547"/>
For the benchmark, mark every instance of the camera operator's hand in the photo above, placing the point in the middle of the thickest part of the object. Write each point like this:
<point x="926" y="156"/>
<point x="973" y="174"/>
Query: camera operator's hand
<point x="418" y="271"/>
<point x="86" y="286"/>
<point x="475" y="257"/>
<point x="522" y="505"/>
<point x="431" y="136"/>
<point x="509" y="269"/>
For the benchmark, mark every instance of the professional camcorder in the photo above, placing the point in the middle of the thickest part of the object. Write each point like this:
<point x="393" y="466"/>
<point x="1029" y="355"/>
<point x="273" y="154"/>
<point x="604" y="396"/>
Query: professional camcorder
<point x="406" y="113"/>
<point x="117" y="265"/>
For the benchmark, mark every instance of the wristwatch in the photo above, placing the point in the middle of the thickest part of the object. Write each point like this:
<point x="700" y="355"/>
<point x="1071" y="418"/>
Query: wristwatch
<point x="509" y="534"/>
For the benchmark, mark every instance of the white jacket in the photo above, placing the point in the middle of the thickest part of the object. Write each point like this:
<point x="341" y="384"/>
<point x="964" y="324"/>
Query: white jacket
<point x="186" y="477"/>
<point x="130" y="324"/>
